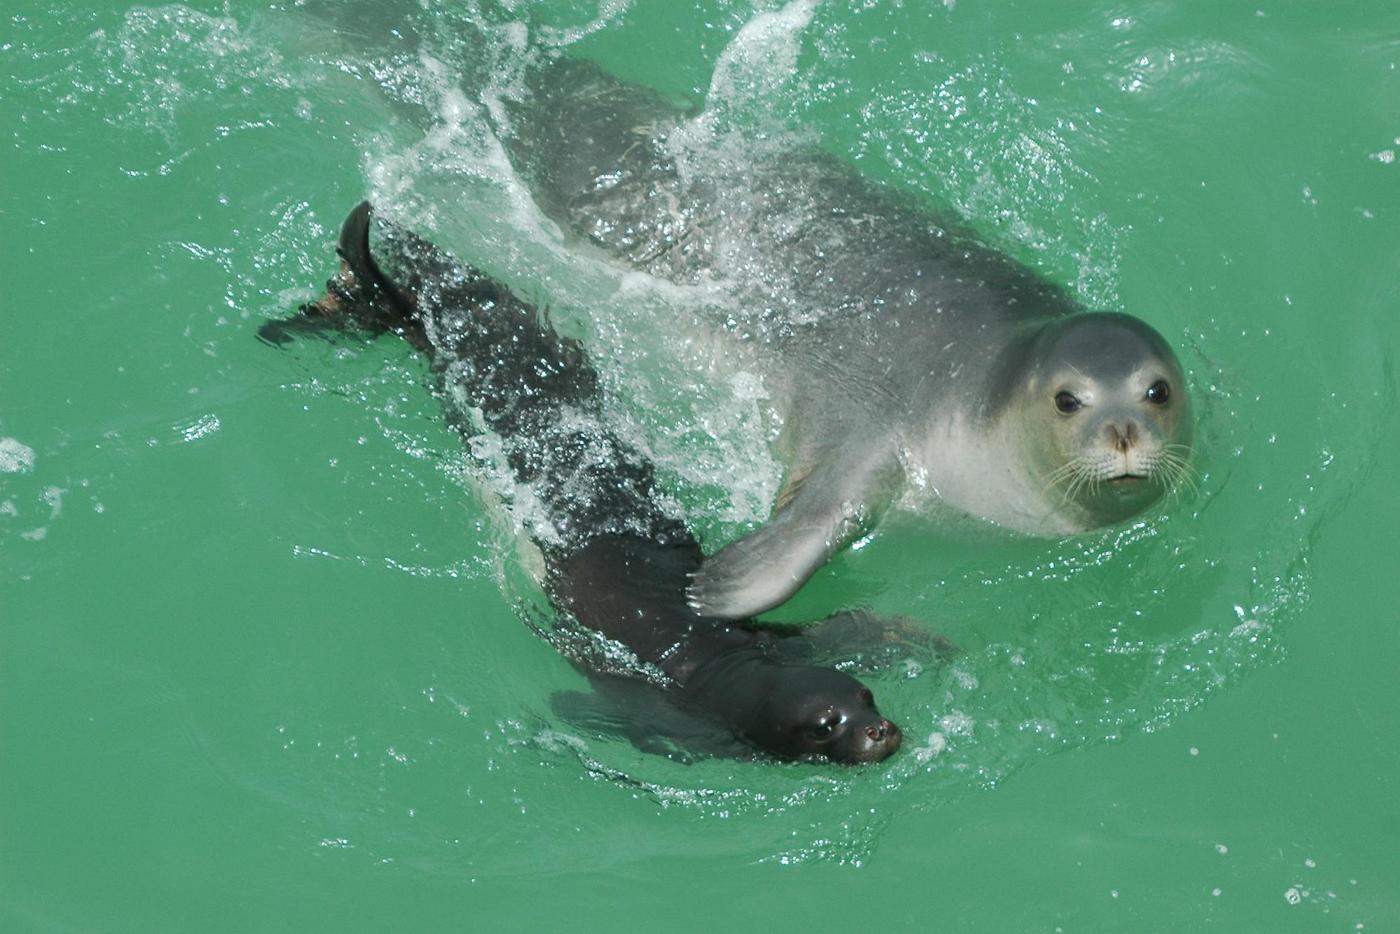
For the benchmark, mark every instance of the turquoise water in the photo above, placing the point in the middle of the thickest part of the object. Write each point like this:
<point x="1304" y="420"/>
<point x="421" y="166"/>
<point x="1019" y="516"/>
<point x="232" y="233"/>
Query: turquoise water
<point x="262" y="649"/>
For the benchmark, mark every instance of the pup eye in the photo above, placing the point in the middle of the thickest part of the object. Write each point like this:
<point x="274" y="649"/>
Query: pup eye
<point x="821" y="730"/>
<point x="1159" y="392"/>
<point x="1068" y="402"/>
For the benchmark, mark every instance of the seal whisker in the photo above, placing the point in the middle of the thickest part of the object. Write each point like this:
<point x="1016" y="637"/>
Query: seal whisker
<point x="1082" y="477"/>
<point x="1064" y="472"/>
<point x="1072" y="471"/>
<point x="1166" y="472"/>
<point x="1180" y="473"/>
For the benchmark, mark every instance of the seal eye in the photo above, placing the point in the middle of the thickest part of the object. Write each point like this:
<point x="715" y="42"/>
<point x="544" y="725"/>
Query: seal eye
<point x="823" y="728"/>
<point x="1159" y="392"/>
<point x="1067" y="402"/>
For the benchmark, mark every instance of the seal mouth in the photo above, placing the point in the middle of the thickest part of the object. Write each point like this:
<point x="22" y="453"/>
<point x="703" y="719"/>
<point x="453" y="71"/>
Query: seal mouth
<point x="1127" y="479"/>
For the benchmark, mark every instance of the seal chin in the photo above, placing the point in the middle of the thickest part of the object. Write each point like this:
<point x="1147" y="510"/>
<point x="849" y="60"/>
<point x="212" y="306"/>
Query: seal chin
<point x="1119" y="496"/>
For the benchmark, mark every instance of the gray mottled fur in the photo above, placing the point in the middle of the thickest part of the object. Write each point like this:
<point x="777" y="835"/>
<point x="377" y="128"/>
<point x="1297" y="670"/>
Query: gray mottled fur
<point x="906" y="346"/>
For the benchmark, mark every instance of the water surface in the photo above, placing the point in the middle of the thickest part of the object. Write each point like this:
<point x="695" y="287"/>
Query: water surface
<point x="262" y="649"/>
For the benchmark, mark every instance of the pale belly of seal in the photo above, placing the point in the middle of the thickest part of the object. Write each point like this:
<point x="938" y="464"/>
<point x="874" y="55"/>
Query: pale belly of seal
<point x="902" y="347"/>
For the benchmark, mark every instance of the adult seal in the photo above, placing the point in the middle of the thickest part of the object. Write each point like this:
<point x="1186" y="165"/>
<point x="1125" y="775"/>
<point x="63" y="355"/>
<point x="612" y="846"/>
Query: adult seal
<point x="903" y="350"/>
<point x="616" y="560"/>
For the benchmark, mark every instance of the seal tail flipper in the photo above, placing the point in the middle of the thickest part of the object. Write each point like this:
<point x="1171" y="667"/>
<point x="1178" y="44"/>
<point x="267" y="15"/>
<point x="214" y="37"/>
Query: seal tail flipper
<point x="830" y="505"/>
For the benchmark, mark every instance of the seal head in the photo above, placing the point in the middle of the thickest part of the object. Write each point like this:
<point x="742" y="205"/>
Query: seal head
<point x="800" y="712"/>
<point x="821" y="713"/>
<point x="1100" y="416"/>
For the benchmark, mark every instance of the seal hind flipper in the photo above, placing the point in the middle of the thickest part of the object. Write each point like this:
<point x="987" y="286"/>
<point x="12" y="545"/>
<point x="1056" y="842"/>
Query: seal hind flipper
<point x="279" y="332"/>
<point x="361" y="294"/>
<point x="360" y="263"/>
<point x="820" y="511"/>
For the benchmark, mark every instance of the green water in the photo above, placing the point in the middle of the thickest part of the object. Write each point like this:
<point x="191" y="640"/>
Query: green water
<point x="262" y="658"/>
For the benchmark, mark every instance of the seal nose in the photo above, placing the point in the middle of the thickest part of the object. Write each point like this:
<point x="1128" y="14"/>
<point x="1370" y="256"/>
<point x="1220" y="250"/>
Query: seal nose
<point x="882" y="740"/>
<point x="1122" y="437"/>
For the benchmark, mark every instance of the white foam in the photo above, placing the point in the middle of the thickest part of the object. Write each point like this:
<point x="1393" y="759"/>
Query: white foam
<point x="937" y="742"/>
<point x="956" y="723"/>
<point x="608" y="10"/>
<point x="762" y="56"/>
<point x="201" y="427"/>
<point x="15" y="457"/>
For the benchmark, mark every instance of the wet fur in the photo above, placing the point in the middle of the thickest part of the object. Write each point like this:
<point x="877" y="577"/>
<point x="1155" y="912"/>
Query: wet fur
<point x="899" y="345"/>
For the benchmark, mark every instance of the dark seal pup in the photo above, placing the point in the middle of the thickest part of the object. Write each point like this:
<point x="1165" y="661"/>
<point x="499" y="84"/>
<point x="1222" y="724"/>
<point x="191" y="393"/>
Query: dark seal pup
<point x="617" y="563"/>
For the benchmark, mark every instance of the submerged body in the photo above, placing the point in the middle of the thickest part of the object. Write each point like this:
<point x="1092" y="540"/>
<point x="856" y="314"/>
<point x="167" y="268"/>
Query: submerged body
<point x="904" y="350"/>
<point x="616" y="562"/>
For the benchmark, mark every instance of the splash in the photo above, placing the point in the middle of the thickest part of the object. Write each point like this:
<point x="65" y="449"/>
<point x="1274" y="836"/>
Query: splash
<point x="609" y="11"/>
<point x="15" y="456"/>
<point x="760" y="61"/>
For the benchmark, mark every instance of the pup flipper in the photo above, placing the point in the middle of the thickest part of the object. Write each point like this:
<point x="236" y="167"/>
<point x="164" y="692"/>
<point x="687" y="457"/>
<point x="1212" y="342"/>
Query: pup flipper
<point x="361" y="295"/>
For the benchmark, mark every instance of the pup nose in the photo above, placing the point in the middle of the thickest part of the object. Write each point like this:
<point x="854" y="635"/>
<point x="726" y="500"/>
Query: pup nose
<point x="878" y="731"/>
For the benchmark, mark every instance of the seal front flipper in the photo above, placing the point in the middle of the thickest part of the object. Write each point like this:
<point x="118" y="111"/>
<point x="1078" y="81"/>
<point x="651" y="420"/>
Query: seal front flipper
<point x="819" y="511"/>
<point x="863" y="641"/>
<point x="636" y="712"/>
